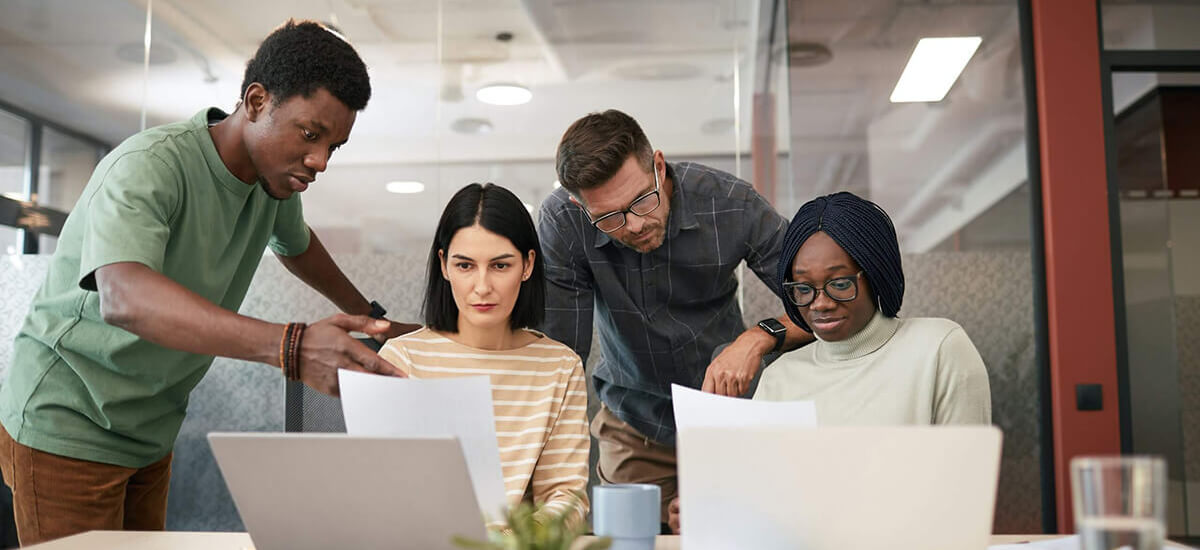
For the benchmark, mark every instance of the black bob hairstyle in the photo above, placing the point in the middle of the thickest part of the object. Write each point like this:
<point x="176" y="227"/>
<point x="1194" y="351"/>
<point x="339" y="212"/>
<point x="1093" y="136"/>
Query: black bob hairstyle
<point x="498" y="210"/>
<point x="867" y="235"/>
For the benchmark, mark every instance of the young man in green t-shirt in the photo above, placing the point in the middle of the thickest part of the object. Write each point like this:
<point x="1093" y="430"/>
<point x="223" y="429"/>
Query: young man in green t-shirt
<point x="149" y="273"/>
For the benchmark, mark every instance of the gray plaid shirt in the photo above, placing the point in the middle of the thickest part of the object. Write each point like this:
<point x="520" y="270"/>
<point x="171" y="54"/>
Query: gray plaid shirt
<point x="659" y="315"/>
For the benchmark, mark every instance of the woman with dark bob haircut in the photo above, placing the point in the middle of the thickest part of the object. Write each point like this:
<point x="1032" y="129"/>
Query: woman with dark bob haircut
<point x="843" y="281"/>
<point x="485" y="289"/>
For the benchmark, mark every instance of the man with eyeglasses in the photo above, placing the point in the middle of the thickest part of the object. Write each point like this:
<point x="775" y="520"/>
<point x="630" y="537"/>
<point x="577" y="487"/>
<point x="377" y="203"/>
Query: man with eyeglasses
<point x="649" y="249"/>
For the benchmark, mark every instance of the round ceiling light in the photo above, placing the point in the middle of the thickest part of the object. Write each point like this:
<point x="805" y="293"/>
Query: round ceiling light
<point x="405" y="187"/>
<point x="504" y="94"/>
<point x="808" y="54"/>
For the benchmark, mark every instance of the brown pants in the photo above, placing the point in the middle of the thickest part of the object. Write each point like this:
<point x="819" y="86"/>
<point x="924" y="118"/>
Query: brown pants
<point x="627" y="456"/>
<point x="55" y="496"/>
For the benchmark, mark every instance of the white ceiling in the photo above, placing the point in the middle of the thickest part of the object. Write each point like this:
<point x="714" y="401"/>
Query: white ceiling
<point x="685" y="68"/>
<point x="671" y="64"/>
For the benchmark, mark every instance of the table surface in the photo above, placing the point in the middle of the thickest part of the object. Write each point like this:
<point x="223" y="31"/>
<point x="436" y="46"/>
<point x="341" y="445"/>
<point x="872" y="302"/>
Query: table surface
<point x="178" y="540"/>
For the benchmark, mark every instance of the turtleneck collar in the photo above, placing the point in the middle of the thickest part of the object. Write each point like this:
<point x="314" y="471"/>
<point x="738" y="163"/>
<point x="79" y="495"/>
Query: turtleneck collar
<point x="872" y="337"/>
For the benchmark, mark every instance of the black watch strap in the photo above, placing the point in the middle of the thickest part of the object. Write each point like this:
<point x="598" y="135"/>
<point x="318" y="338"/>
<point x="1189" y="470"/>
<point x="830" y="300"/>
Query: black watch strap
<point x="377" y="311"/>
<point x="774" y="328"/>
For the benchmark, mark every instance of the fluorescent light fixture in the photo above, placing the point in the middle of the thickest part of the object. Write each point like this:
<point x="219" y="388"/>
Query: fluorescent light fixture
<point x="504" y="94"/>
<point x="934" y="66"/>
<point x="405" y="187"/>
<point x="528" y="207"/>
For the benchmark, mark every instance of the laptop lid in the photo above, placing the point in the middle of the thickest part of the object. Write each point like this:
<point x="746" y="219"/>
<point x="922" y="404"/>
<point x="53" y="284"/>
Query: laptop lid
<point x="900" y="488"/>
<point x="321" y="491"/>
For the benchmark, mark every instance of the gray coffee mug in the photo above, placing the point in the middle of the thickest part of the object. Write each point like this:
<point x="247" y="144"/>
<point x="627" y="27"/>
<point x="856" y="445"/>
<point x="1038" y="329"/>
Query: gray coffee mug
<point x="629" y="513"/>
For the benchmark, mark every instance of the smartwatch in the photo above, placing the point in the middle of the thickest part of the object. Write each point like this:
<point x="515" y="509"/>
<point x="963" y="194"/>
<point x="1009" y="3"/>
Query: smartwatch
<point x="377" y="311"/>
<point x="774" y="328"/>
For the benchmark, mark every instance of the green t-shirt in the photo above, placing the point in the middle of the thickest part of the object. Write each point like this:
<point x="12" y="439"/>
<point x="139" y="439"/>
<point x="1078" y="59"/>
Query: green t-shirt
<point x="81" y="388"/>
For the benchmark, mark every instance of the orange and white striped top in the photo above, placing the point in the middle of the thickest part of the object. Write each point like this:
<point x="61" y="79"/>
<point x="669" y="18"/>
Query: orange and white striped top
<point x="539" y="397"/>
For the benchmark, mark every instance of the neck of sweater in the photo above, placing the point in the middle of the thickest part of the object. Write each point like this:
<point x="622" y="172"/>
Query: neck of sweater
<point x="872" y="337"/>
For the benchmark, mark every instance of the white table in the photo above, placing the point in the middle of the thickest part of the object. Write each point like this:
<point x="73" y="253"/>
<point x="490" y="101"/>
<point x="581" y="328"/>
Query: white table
<point x="177" y="540"/>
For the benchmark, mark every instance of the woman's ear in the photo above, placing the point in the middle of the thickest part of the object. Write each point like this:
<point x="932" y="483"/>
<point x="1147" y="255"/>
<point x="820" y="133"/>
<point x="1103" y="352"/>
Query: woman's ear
<point x="442" y="262"/>
<point x="529" y="265"/>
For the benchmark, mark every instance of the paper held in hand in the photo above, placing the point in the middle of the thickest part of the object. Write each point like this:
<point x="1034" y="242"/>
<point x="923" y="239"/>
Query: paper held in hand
<point x="385" y="406"/>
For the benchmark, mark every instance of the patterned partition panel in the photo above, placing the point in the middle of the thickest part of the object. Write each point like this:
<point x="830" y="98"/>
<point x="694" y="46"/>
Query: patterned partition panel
<point x="986" y="293"/>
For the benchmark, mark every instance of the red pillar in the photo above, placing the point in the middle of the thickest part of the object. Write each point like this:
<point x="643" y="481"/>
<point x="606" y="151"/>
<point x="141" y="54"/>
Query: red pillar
<point x="1079" y="286"/>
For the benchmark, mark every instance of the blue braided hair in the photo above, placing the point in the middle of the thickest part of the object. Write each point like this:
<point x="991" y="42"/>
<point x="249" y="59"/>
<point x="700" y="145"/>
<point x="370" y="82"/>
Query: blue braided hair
<point x="864" y="231"/>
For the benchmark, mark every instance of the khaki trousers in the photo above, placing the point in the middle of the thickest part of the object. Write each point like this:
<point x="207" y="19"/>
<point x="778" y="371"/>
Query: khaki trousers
<point x="627" y="456"/>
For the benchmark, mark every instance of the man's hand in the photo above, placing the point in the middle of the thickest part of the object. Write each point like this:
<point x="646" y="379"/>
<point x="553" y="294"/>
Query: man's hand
<point x="394" y="329"/>
<point x="327" y="346"/>
<point x="734" y="368"/>
<point x="673" y="515"/>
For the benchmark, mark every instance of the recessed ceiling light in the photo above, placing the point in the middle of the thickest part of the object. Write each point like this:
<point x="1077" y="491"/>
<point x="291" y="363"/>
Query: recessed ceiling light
<point x="405" y="187"/>
<point x="472" y="126"/>
<point x="504" y="94"/>
<point x="717" y="126"/>
<point x="934" y="66"/>
<point x="658" y="71"/>
<point x="135" y="52"/>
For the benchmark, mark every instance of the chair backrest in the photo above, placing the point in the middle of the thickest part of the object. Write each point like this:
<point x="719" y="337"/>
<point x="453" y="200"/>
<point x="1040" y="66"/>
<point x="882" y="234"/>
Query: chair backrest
<point x="308" y="410"/>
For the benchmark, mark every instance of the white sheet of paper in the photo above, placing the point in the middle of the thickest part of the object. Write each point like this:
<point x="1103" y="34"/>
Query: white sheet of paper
<point x="696" y="409"/>
<point x="1065" y="543"/>
<point x="386" y="406"/>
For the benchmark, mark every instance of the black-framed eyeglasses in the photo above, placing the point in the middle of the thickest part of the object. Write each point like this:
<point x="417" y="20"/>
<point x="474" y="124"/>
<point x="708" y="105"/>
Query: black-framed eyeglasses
<point x="641" y="206"/>
<point x="839" y="289"/>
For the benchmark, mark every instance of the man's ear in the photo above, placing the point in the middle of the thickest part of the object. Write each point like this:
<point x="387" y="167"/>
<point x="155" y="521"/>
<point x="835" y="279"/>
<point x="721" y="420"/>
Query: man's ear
<point x="255" y="101"/>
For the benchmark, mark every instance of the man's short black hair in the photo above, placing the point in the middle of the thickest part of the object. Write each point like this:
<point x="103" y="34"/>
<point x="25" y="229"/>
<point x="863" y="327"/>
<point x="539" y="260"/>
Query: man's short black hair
<point x="498" y="210"/>
<point x="300" y="57"/>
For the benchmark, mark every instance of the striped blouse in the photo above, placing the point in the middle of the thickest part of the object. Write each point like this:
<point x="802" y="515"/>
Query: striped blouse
<point x="539" y="398"/>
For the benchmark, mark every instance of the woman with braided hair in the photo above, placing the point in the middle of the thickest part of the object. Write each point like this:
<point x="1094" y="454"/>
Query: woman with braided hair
<point x="842" y="279"/>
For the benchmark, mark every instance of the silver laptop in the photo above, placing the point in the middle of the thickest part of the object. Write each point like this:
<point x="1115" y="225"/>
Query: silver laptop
<point x="322" y="491"/>
<point x="900" y="488"/>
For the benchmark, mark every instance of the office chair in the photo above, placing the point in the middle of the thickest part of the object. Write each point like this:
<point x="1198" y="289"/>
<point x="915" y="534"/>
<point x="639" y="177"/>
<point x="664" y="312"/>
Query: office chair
<point x="308" y="410"/>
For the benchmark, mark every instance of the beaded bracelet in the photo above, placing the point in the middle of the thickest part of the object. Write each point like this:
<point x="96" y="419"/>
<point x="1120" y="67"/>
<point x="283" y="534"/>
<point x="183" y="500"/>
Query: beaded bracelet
<point x="293" y="370"/>
<point x="284" y="345"/>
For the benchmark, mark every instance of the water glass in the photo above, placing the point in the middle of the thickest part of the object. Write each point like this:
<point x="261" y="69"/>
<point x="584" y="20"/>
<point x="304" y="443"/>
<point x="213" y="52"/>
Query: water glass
<point x="1120" y="502"/>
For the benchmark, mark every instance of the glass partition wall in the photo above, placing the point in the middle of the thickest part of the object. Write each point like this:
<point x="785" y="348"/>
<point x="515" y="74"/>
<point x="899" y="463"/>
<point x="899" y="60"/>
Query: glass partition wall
<point x="1151" y="79"/>
<point x="794" y="96"/>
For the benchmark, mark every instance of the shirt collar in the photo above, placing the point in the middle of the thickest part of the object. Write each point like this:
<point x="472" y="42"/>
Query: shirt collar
<point x="681" y="215"/>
